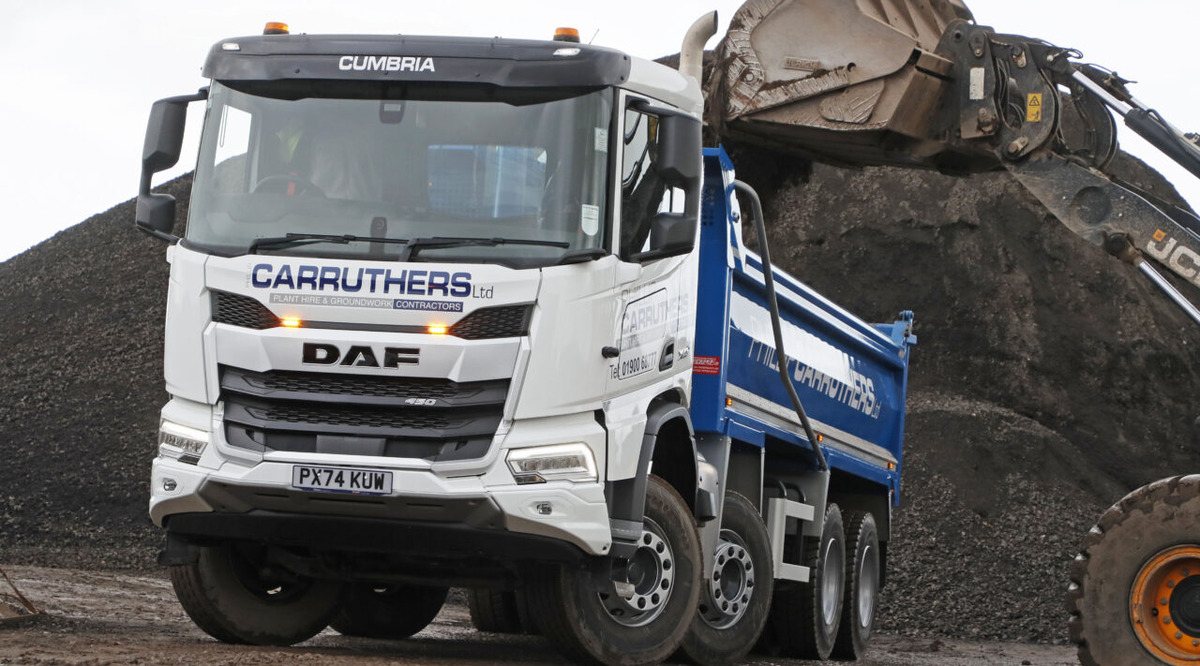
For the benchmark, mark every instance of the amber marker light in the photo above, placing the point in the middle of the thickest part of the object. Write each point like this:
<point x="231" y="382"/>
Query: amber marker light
<point x="566" y="35"/>
<point x="276" y="28"/>
<point x="437" y="329"/>
<point x="291" y="322"/>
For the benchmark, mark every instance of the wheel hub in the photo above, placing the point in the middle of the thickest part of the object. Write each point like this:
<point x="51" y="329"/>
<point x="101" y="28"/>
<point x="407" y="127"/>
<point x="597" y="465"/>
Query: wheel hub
<point x="1165" y="605"/>
<point x="731" y="585"/>
<point x="651" y="577"/>
<point x="868" y="585"/>
<point x="831" y="582"/>
<point x="1185" y="605"/>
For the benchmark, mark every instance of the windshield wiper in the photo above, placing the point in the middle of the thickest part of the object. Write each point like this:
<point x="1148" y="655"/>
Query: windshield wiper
<point x="412" y="247"/>
<point x="296" y="240"/>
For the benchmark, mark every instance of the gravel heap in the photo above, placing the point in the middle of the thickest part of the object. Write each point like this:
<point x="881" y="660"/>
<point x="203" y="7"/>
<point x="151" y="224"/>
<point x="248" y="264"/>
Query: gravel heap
<point x="1049" y="380"/>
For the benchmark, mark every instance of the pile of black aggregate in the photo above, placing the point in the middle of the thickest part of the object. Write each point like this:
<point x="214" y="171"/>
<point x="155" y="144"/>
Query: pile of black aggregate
<point x="1049" y="380"/>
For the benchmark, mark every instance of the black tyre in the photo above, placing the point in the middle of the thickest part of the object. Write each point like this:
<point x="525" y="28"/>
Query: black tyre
<point x="736" y="600"/>
<point x="387" y="611"/>
<point x="499" y="611"/>
<point x="863" y="577"/>
<point x="805" y="616"/>
<point x="1134" y="595"/>
<point x="235" y="599"/>
<point x="580" y="611"/>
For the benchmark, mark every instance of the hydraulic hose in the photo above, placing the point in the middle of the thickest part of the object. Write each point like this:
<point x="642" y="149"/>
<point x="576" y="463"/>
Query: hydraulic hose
<point x="776" y="327"/>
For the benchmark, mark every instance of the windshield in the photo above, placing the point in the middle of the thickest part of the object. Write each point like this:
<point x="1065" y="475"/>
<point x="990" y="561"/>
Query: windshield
<point x="521" y="185"/>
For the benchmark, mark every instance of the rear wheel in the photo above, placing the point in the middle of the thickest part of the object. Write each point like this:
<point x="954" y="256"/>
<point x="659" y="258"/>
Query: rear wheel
<point x="863" y="576"/>
<point x="1135" y="586"/>
<point x="591" y="619"/>
<point x="805" y="616"/>
<point x="388" y="611"/>
<point x="736" y="599"/>
<point x="235" y="597"/>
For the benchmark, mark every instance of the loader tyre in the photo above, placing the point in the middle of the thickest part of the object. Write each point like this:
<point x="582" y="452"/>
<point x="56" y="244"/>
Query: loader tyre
<point x="387" y="611"/>
<point x="806" y="616"/>
<point x="499" y="611"/>
<point x="235" y="598"/>
<point x="578" y="607"/>
<point x="1134" y="595"/>
<point x="863" y="577"/>
<point x="735" y="600"/>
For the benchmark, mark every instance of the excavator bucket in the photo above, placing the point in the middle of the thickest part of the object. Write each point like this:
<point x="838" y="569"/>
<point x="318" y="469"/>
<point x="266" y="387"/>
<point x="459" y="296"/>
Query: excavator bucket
<point x="852" y="82"/>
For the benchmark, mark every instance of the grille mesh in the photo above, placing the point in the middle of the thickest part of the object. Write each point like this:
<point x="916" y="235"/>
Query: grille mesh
<point x="380" y="387"/>
<point x="502" y="322"/>
<point x="238" y="310"/>
<point x="336" y="415"/>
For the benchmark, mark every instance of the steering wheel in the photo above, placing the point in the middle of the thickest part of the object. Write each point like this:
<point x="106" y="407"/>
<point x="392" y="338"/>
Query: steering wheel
<point x="278" y="183"/>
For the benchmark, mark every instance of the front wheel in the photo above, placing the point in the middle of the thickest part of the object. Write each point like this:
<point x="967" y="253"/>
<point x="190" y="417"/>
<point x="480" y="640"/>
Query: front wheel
<point x="736" y="599"/>
<point x="499" y="611"/>
<point x="235" y="597"/>
<point x="641" y="621"/>
<point x="1135" y="586"/>
<point x="388" y="611"/>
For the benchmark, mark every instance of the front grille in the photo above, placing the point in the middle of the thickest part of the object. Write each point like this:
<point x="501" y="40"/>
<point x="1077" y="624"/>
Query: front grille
<point x="507" y="321"/>
<point x="396" y="391"/>
<point x="321" y="415"/>
<point x="379" y="387"/>
<point x="402" y="417"/>
<point x="238" y="310"/>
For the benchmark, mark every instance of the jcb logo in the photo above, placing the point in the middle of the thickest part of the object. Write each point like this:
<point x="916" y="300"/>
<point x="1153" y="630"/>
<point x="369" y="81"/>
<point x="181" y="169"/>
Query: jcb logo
<point x="359" y="356"/>
<point x="1180" y="258"/>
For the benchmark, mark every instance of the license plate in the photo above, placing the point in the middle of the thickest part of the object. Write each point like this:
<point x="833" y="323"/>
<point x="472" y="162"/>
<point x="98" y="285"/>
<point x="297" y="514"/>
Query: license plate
<point x="342" y="480"/>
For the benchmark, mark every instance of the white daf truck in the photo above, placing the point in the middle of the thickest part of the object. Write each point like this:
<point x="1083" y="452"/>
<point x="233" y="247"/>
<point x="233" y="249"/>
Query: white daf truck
<point x="477" y="312"/>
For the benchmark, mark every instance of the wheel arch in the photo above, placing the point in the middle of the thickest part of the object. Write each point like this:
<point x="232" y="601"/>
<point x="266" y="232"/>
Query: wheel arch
<point x="668" y="449"/>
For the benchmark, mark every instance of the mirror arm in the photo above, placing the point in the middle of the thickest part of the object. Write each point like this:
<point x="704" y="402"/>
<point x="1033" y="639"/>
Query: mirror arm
<point x="645" y="106"/>
<point x="161" y="235"/>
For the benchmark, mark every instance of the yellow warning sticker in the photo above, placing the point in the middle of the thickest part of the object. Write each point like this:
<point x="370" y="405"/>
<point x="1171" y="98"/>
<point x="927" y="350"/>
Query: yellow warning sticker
<point x="1159" y="235"/>
<point x="1033" y="108"/>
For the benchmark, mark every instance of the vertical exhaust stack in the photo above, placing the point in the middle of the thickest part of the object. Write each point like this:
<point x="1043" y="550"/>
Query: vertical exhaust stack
<point x="691" y="53"/>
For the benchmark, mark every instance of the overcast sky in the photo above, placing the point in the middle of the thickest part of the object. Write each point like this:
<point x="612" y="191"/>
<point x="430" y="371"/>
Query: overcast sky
<point x="79" y="75"/>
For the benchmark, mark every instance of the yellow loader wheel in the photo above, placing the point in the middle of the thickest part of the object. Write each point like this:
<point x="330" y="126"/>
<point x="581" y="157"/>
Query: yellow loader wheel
<point x="1134" y="595"/>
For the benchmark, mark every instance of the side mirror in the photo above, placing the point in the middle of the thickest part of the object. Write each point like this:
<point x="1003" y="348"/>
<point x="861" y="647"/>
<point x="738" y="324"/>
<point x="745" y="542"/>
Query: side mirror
<point x="164" y="135"/>
<point x="672" y="233"/>
<point x="164" y="141"/>
<point x="680" y="157"/>
<point x="155" y="214"/>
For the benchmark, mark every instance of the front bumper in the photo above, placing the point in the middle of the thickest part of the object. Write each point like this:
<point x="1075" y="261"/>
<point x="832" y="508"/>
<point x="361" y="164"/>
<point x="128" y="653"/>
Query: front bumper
<point x="425" y="512"/>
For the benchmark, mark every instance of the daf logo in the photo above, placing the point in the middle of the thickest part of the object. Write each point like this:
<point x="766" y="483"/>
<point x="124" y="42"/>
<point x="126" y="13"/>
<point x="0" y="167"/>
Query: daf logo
<point x="359" y="356"/>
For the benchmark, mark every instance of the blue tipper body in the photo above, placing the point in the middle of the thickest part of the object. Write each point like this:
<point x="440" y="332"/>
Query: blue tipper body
<point x="851" y="377"/>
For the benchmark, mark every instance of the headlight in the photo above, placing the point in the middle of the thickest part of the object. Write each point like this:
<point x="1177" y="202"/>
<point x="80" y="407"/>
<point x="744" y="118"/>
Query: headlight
<point x="181" y="442"/>
<point x="558" y="462"/>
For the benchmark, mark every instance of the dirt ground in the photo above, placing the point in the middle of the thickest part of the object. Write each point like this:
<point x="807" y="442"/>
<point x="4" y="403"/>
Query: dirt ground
<point x="96" y="618"/>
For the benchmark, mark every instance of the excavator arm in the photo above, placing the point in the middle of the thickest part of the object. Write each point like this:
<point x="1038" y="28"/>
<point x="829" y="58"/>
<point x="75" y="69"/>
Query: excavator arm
<point x="916" y="83"/>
